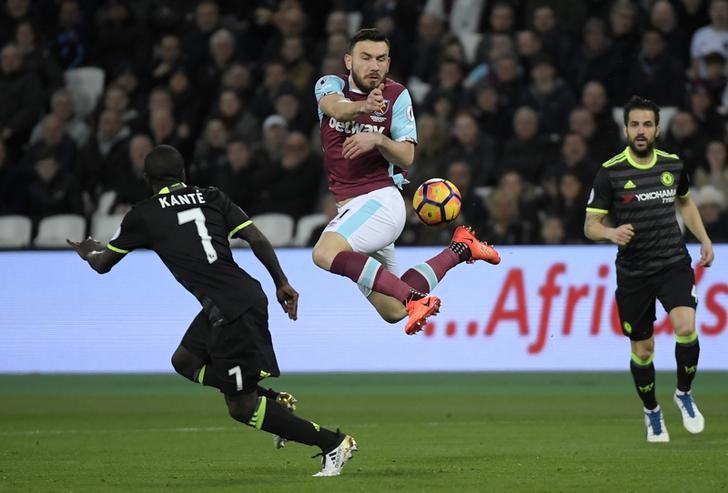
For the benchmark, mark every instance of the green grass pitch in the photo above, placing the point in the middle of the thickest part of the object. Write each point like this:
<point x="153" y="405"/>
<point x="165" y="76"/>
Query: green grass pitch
<point x="480" y="432"/>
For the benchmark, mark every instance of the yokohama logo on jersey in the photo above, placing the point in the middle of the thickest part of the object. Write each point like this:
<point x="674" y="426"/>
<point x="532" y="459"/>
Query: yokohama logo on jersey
<point x="658" y="194"/>
<point x="667" y="196"/>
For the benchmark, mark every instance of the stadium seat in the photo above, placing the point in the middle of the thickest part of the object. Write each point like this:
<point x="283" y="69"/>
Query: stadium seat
<point x="106" y="200"/>
<point x="86" y="85"/>
<point x="355" y="19"/>
<point x="483" y="192"/>
<point x="104" y="226"/>
<point x="53" y="230"/>
<point x="666" y="114"/>
<point x="278" y="228"/>
<point x="238" y="243"/>
<point x="470" y="42"/>
<point x="15" y="231"/>
<point x="418" y="89"/>
<point x="306" y="225"/>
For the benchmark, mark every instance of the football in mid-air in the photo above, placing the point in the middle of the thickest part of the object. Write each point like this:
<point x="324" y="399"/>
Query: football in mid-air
<point x="437" y="201"/>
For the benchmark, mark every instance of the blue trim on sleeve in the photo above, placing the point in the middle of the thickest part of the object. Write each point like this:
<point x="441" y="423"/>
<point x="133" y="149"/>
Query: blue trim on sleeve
<point x="328" y="84"/>
<point x="403" y="119"/>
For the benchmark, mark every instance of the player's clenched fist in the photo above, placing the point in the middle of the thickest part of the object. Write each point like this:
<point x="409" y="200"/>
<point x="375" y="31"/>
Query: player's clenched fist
<point x="375" y="100"/>
<point x="622" y="234"/>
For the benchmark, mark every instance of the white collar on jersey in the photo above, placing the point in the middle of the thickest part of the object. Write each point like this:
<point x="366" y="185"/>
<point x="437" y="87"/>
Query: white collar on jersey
<point x="353" y="87"/>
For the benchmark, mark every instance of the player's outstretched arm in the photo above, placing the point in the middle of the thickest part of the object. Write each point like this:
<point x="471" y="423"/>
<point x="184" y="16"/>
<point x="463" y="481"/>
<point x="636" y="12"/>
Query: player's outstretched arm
<point x="693" y="221"/>
<point x="263" y="250"/>
<point x="346" y="110"/>
<point x="99" y="258"/>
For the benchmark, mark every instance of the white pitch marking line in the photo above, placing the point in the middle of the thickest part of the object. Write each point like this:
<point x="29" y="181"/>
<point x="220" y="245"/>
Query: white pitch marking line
<point x="208" y="429"/>
<point x="217" y="429"/>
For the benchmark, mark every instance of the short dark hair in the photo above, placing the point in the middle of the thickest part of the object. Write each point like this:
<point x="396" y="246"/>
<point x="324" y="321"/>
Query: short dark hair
<point x="640" y="103"/>
<point x="164" y="163"/>
<point x="451" y="61"/>
<point x="367" y="35"/>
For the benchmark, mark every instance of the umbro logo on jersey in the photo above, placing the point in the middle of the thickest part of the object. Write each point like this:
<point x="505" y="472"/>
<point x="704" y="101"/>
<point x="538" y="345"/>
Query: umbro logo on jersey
<point x="629" y="185"/>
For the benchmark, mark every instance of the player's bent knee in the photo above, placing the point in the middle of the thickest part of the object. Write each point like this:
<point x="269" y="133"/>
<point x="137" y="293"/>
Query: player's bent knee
<point x="327" y="248"/>
<point x="241" y="407"/>
<point x="684" y="330"/>
<point x="322" y="258"/>
<point x="643" y="353"/>
<point x="183" y="365"/>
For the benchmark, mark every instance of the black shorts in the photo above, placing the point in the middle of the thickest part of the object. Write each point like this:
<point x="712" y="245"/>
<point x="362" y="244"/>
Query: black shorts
<point x="239" y="354"/>
<point x="674" y="286"/>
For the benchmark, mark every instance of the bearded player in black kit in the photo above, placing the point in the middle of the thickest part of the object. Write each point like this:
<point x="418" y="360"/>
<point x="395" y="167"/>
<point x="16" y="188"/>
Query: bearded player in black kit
<point x="228" y="345"/>
<point x="640" y="187"/>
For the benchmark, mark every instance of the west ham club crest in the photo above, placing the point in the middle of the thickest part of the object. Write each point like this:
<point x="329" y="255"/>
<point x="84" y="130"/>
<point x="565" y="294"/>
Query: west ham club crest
<point x="385" y="108"/>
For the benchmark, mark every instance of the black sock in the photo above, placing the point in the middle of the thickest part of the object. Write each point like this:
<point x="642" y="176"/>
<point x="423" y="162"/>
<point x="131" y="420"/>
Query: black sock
<point x="272" y="394"/>
<point x="686" y="357"/>
<point x="277" y="419"/>
<point x="644" y="381"/>
<point x="461" y="250"/>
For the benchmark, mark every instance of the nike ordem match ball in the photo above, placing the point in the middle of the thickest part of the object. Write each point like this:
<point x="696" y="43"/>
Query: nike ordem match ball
<point x="437" y="201"/>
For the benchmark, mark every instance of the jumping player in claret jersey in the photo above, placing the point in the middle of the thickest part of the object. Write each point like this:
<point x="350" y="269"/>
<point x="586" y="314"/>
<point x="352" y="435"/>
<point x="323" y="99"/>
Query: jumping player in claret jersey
<point x="368" y="134"/>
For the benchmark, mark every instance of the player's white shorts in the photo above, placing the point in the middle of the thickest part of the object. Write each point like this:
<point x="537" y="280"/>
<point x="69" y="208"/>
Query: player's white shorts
<point x="371" y="223"/>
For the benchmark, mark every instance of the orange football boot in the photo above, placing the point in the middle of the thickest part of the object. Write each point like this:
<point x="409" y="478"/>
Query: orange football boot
<point x="418" y="311"/>
<point x="479" y="250"/>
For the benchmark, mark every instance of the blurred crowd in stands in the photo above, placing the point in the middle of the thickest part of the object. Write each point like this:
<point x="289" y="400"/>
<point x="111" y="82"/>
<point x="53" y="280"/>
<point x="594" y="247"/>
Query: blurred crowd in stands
<point x="515" y="101"/>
